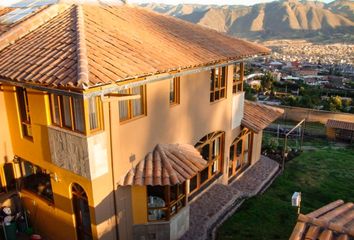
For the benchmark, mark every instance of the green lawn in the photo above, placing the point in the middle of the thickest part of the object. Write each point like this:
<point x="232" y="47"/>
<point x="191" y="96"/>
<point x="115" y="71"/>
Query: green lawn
<point x="322" y="175"/>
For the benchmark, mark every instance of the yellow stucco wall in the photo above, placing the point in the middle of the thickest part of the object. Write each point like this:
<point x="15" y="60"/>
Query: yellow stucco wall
<point x="53" y="221"/>
<point x="6" y="152"/>
<point x="139" y="205"/>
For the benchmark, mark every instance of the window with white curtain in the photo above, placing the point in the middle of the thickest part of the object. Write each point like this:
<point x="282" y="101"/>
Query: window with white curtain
<point x="133" y="108"/>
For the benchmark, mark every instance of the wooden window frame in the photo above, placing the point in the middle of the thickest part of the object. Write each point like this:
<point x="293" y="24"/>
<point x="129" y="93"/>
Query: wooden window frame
<point x="85" y="108"/>
<point x="216" y="88"/>
<point x="237" y="83"/>
<point x="176" y="92"/>
<point x="23" y="107"/>
<point x="130" y="106"/>
<point x="99" y="112"/>
<point x="209" y="139"/>
<point x="245" y="133"/>
<point x="181" y="199"/>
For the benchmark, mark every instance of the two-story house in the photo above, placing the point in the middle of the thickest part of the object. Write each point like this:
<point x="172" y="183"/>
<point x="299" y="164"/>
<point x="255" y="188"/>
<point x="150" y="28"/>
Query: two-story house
<point x="115" y="118"/>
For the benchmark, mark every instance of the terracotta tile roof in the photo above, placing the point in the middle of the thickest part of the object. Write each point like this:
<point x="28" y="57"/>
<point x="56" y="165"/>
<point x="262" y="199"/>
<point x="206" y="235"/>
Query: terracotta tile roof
<point x="114" y="44"/>
<point x="331" y="123"/>
<point x="334" y="221"/>
<point x="168" y="164"/>
<point x="47" y="55"/>
<point x="4" y="10"/>
<point x="258" y="116"/>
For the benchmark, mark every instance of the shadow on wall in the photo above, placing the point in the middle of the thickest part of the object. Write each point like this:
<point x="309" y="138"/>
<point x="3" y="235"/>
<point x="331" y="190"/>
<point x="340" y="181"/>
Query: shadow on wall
<point x="55" y="221"/>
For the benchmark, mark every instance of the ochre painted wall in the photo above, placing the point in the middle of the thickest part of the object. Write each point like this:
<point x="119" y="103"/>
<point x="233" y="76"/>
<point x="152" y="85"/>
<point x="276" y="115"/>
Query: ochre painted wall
<point x="187" y="122"/>
<point x="6" y="152"/>
<point x="53" y="221"/>
<point x="139" y="204"/>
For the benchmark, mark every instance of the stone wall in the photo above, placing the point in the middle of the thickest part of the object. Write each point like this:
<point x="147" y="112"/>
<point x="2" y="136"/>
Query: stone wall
<point x="172" y="230"/>
<point x="82" y="155"/>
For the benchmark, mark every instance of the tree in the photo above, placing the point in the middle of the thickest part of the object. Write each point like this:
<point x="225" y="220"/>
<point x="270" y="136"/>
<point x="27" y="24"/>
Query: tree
<point x="266" y="81"/>
<point x="333" y="104"/>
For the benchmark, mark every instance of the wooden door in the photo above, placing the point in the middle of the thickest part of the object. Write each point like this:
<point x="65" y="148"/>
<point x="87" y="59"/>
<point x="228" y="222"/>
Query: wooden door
<point x="82" y="213"/>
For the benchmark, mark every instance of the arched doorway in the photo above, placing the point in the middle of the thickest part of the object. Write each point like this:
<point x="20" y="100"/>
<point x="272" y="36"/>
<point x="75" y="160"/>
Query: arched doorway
<point x="81" y="212"/>
<point x="240" y="153"/>
<point x="211" y="147"/>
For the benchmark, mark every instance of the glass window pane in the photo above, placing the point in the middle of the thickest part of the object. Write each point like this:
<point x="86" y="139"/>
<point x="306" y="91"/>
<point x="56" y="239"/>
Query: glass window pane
<point x="204" y="175"/>
<point x="239" y="148"/>
<point x="216" y="147"/>
<point x="215" y="167"/>
<point x="156" y="201"/>
<point x="137" y="104"/>
<point x="223" y="77"/>
<point x="21" y="103"/>
<point x="232" y="152"/>
<point x="78" y="109"/>
<point x="212" y="80"/>
<point x="66" y="113"/>
<point x="123" y="107"/>
<point x="173" y="193"/>
<point x="193" y="183"/>
<point x="205" y="152"/>
<point x="217" y="96"/>
<point x="93" y="113"/>
<point x="55" y="110"/>
<point x="172" y="91"/>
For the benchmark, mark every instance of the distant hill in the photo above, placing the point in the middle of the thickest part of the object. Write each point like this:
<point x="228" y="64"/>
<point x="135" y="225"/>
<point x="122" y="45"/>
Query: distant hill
<point x="274" y="20"/>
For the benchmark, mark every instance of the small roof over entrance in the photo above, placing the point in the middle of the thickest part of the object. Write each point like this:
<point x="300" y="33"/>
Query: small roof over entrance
<point x="167" y="164"/>
<point x="333" y="221"/>
<point x="331" y="123"/>
<point x="258" y="116"/>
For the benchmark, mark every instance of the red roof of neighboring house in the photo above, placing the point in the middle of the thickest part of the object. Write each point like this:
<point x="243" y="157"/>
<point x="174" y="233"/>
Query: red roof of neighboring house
<point x="258" y="116"/>
<point x="331" y="123"/>
<point x="334" y="221"/>
<point x="80" y="47"/>
<point x="4" y="26"/>
<point x="167" y="164"/>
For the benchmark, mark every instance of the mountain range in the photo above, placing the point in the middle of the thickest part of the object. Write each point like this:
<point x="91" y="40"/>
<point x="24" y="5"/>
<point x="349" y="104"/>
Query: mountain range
<point x="290" y="19"/>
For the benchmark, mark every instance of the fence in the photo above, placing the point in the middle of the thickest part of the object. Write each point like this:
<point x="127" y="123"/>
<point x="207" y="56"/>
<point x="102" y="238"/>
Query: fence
<point x="313" y="115"/>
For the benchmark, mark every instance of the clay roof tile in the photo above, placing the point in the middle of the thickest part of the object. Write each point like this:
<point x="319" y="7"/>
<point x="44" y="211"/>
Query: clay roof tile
<point x="110" y="44"/>
<point x="162" y="167"/>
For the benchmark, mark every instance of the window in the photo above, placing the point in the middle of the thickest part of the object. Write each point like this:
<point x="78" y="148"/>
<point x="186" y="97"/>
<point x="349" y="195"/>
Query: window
<point x="36" y="180"/>
<point x="68" y="112"/>
<point x="210" y="148"/>
<point x="238" y="75"/>
<point x="23" y="106"/>
<point x="174" y="91"/>
<point x="130" y="109"/>
<point x="218" y="83"/>
<point x="240" y="153"/>
<point x="165" y="201"/>
<point x="94" y="113"/>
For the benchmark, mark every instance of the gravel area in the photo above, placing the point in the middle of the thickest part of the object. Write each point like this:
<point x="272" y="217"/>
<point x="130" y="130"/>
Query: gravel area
<point x="218" y="200"/>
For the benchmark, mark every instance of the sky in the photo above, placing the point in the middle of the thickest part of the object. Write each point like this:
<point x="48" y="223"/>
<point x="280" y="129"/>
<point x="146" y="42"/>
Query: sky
<point x="219" y="2"/>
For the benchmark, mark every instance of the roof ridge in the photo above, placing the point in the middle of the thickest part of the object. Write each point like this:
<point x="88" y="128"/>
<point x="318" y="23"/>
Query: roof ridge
<point x="82" y="60"/>
<point x="31" y="24"/>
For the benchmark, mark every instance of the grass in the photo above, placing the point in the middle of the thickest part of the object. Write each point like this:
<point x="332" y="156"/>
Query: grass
<point x="323" y="175"/>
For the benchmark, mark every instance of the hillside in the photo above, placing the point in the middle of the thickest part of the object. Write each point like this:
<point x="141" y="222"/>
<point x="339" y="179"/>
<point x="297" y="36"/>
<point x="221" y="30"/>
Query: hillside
<point x="274" y="20"/>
